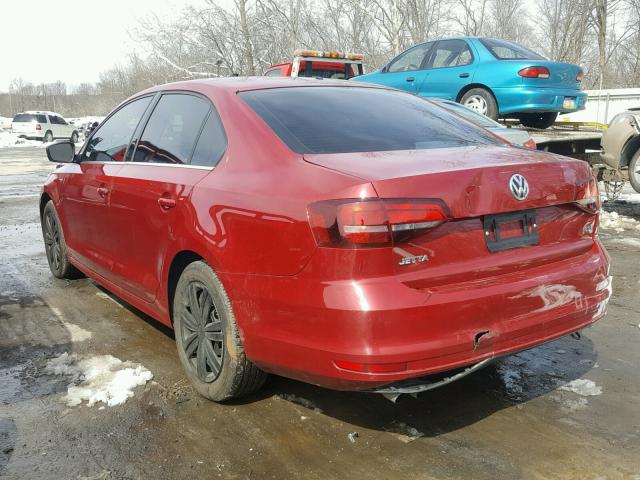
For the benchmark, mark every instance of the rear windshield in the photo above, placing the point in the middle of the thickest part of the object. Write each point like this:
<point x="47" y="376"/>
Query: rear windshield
<point x="503" y="50"/>
<point x="27" y="117"/>
<point x="352" y="119"/>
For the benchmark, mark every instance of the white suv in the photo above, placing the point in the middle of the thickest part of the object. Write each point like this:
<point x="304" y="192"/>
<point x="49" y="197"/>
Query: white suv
<point x="45" y="126"/>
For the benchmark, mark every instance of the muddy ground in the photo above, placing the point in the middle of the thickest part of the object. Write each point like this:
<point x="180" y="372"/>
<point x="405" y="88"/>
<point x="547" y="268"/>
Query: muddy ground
<point x="509" y="421"/>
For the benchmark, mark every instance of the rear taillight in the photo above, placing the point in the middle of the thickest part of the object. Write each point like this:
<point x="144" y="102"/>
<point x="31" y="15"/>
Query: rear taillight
<point x="354" y="223"/>
<point x="588" y="196"/>
<point x="580" y="76"/>
<point x="534" y="72"/>
<point x="38" y="127"/>
<point x="530" y="144"/>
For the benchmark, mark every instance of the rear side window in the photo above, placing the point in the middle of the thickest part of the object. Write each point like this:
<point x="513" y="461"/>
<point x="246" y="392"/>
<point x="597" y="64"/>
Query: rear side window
<point x="41" y="118"/>
<point x="171" y="133"/>
<point x="211" y="144"/>
<point x="273" y="73"/>
<point x="110" y="141"/>
<point x="503" y="50"/>
<point x="353" y="119"/>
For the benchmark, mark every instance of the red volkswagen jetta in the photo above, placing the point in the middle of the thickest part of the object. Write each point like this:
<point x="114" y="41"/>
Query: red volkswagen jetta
<point x="346" y="235"/>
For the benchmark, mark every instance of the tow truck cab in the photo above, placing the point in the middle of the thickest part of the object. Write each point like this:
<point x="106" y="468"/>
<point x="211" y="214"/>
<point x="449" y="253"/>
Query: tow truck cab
<point x="313" y="63"/>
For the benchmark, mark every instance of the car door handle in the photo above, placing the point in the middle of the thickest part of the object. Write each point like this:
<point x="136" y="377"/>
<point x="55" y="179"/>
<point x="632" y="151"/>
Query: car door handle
<point x="464" y="75"/>
<point x="166" y="203"/>
<point x="103" y="191"/>
<point x="410" y="79"/>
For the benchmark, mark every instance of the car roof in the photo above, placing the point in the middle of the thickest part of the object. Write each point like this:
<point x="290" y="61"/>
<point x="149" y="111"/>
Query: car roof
<point x="240" y="84"/>
<point x="41" y="112"/>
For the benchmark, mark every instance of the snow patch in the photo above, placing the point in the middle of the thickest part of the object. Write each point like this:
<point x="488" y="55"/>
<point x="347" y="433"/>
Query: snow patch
<point x="100" y="378"/>
<point x="582" y="387"/>
<point x="616" y="222"/>
<point x="10" y="139"/>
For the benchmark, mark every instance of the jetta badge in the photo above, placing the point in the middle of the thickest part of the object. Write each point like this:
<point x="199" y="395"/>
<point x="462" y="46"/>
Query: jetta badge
<point x="518" y="186"/>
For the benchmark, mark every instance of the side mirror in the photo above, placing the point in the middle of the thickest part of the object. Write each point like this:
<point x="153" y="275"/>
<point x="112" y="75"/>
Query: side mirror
<point x="61" y="152"/>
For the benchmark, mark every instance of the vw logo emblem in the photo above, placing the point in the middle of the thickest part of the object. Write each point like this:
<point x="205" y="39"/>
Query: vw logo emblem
<point x="518" y="186"/>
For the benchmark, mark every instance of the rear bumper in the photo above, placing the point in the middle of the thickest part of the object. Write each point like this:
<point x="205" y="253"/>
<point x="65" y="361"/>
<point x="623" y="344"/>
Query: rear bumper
<point x="299" y="327"/>
<point x="527" y="99"/>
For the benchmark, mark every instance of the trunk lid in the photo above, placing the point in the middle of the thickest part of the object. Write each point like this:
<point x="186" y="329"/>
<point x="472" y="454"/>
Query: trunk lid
<point x="561" y="75"/>
<point x="472" y="181"/>
<point x="24" y="127"/>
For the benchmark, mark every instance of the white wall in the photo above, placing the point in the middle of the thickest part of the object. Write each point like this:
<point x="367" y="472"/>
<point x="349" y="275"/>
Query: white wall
<point x="602" y="105"/>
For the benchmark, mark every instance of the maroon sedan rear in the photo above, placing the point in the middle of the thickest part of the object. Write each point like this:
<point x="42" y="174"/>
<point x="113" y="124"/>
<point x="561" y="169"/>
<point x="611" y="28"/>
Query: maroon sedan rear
<point x="346" y="235"/>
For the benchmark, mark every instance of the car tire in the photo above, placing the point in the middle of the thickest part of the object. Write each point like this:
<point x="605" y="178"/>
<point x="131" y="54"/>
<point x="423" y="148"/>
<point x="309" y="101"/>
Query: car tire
<point x="48" y="137"/>
<point x="482" y="101"/>
<point x="74" y="137"/>
<point x="208" y="339"/>
<point x="538" y="120"/>
<point x="55" y="245"/>
<point x="634" y="171"/>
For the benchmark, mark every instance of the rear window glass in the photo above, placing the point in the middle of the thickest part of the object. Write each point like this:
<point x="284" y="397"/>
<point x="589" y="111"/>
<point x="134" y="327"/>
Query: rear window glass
<point x="24" y="117"/>
<point x="352" y="119"/>
<point x="503" y="50"/>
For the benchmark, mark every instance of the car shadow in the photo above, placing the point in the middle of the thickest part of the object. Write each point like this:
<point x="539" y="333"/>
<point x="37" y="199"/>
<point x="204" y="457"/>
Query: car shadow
<point x="507" y="382"/>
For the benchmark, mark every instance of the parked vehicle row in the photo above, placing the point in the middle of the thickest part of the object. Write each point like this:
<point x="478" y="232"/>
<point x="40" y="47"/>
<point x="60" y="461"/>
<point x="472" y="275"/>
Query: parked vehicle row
<point x="42" y="125"/>
<point x="344" y="234"/>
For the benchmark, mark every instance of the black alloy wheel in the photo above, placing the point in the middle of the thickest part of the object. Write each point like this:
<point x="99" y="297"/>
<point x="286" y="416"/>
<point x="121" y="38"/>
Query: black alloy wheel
<point x="201" y="333"/>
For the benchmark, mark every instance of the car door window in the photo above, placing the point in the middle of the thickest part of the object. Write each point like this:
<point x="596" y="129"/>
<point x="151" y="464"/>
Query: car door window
<point x="410" y="60"/>
<point x="171" y="133"/>
<point x="212" y="142"/>
<point x="451" y="53"/>
<point x="110" y="141"/>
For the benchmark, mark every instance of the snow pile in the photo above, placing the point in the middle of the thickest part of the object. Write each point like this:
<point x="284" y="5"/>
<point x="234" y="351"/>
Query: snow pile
<point x="616" y="222"/>
<point x="9" y="139"/>
<point x="582" y="387"/>
<point x="101" y="378"/>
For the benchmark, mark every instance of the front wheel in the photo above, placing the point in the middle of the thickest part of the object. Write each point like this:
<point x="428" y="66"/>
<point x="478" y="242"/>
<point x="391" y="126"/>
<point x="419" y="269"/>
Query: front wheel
<point x="538" y="120"/>
<point x="208" y="339"/>
<point x="634" y="172"/>
<point x="481" y="101"/>
<point x="48" y="137"/>
<point x="55" y="245"/>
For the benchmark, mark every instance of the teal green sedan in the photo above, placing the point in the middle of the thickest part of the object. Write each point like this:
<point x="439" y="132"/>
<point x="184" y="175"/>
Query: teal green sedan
<point x="497" y="78"/>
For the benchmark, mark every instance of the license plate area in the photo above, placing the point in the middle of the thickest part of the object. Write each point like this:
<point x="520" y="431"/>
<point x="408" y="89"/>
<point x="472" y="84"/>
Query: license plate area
<point x="569" y="103"/>
<point x="510" y="230"/>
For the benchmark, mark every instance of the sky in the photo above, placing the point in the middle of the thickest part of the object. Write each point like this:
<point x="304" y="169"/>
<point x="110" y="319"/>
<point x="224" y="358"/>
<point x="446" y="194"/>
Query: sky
<point x="71" y="40"/>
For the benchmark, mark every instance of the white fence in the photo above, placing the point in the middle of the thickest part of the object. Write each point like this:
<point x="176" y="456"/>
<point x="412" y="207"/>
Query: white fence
<point x="603" y="105"/>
